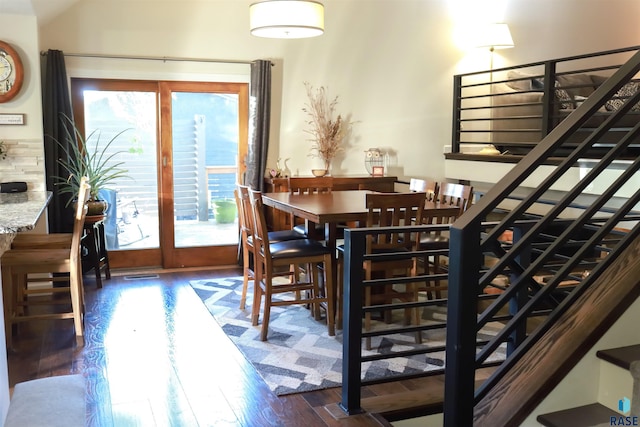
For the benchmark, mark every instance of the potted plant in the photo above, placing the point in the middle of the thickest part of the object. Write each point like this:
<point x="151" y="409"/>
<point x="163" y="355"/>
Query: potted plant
<point x="96" y="164"/>
<point x="224" y="210"/>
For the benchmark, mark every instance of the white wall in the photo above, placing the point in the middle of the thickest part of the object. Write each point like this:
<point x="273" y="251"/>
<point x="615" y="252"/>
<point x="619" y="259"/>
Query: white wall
<point x="24" y="161"/>
<point x="390" y="61"/>
<point x="25" y="157"/>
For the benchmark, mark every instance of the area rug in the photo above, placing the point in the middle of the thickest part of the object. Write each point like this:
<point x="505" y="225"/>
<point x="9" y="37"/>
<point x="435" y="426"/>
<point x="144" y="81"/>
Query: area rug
<point x="299" y="354"/>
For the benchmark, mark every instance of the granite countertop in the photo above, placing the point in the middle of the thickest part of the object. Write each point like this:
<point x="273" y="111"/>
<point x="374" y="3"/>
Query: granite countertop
<point x="20" y="211"/>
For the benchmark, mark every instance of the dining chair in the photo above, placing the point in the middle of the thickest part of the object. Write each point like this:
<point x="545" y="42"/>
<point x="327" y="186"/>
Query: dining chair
<point x="387" y="210"/>
<point x="247" y="231"/>
<point x="309" y="185"/>
<point x="435" y="241"/>
<point x="459" y="195"/>
<point x="18" y="264"/>
<point x="270" y="256"/>
<point x="427" y="186"/>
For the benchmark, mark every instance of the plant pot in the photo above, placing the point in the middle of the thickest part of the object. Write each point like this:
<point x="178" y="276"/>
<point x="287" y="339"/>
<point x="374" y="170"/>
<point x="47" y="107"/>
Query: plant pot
<point x="96" y="207"/>
<point x="224" y="211"/>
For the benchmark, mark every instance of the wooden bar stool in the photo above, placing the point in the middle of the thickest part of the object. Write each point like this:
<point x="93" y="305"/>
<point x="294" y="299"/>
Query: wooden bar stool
<point x="272" y="256"/>
<point x="18" y="264"/>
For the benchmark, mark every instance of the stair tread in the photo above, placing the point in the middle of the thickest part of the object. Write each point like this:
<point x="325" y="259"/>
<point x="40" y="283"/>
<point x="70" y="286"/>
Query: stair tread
<point x="621" y="356"/>
<point x="592" y="415"/>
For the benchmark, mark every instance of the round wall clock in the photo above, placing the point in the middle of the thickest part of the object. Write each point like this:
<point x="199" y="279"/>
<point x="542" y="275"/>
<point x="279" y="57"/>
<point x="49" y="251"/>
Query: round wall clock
<point x="11" y="72"/>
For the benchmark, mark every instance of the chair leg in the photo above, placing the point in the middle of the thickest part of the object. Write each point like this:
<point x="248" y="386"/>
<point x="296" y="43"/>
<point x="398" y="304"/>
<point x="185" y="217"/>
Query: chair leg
<point x="367" y="315"/>
<point x="75" y="288"/>
<point x="267" y="308"/>
<point x="245" y="277"/>
<point x="339" y="296"/>
<point x="329" y="288"/>
<point x="257" y="299"/>
<point x="436" y="270"/>
<point x="314" y="278"/>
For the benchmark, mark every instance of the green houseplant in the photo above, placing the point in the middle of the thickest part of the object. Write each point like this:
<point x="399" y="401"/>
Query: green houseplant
<point x="96" y="164"/>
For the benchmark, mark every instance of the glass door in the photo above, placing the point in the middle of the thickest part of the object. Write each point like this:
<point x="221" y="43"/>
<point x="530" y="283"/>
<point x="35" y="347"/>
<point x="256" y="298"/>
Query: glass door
<point x="204" y="136"/>
<point x="181" y="149"/>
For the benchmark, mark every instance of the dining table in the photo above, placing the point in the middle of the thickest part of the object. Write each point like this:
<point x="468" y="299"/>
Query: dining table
<point x="330" y="209"/>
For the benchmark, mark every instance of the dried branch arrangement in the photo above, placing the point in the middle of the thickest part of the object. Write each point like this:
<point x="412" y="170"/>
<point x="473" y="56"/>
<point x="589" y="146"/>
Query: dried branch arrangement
<point x="327" y="132"/>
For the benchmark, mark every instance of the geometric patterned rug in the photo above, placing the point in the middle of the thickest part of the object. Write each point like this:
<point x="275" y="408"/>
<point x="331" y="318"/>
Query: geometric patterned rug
<point x="299" y="355"/>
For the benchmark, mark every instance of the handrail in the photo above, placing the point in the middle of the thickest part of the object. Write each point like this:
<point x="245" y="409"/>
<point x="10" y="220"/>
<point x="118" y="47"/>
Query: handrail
<point x="514" y="114"/>
<point x="354" y="356"/>
<point x="575" y="253"/>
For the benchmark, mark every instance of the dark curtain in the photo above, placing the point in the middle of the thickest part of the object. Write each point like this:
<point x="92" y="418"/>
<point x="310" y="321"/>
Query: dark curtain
<point x="259" y="117"/>
<point x="56" y="104"/>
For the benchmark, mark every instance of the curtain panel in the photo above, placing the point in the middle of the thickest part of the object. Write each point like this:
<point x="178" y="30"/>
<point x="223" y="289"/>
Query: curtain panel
<point x="259" y="123"/>
<point x="56" y="104"/>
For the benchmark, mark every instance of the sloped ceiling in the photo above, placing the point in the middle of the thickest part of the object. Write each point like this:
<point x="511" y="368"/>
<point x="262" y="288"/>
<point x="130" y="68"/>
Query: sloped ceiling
<point x="44" y="10"/>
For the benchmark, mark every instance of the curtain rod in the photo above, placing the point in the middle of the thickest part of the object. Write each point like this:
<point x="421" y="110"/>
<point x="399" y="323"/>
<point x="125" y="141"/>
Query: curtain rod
<point x="153" y="58"/>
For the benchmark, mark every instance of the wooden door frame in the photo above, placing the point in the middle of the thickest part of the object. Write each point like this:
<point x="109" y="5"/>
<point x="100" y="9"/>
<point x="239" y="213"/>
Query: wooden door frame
<point x="221" y="255"/>
<point x="202" y="256"/>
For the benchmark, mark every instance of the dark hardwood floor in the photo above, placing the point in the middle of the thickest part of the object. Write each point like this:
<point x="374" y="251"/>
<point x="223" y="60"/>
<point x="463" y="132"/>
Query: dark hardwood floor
<point x="154" y="356"/>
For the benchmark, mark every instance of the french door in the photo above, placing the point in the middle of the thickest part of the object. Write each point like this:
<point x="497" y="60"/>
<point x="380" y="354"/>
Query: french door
<point x="181" y="147"/>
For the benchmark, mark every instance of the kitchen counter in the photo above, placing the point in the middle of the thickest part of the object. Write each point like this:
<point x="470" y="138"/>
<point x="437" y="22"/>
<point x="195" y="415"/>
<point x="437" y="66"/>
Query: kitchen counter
<point x="20" y="211"/>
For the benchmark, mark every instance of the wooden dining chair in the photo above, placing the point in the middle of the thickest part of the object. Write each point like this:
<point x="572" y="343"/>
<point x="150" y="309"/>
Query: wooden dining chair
<point x="270" y="257"/>
<point x="459" y="195"/>
<point x="18" y="264"/>
<point x="247" y="232"/>
<point x="435" y="241"/>
<point x="309" y="185"/>
<point x="427" y="186"/>
<point x="388" y="210"/>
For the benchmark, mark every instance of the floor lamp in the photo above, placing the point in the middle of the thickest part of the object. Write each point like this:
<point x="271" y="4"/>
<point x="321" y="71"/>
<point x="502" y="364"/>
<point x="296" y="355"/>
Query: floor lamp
<point x="493" y="36"/>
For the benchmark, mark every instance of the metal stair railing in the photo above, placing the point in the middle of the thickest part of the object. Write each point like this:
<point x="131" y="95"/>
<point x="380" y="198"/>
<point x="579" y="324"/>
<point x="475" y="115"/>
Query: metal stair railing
<point x="562" y="241"/>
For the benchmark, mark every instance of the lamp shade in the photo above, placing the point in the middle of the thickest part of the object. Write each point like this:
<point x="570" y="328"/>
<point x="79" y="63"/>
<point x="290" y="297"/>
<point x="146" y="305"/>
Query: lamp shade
<point x="286" y="19"/>
<point x="494" y="36"/>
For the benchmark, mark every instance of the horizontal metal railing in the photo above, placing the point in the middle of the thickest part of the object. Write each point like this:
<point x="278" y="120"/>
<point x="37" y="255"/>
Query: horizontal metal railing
<point x="562" y="240"/>
<point x="515" y="107"/>
<point x="355" y="354"/>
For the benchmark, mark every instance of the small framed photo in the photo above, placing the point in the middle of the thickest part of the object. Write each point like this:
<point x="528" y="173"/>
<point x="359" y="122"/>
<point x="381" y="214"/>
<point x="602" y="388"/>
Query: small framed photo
<point x="378" y="171"/>
<point x="11" y="119"/>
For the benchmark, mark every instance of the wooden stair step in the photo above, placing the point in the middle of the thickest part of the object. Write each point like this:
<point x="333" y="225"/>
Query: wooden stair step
<point x="408" y="404"/>
<point x="593" y="415"/>
<point x="621" y="356"/>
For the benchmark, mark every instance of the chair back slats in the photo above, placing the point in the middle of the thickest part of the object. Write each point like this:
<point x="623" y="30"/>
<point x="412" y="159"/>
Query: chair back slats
<point x="247" y="222"/>
<point x="261" y="232"/>
<point x="307" y="185"/>
<point x="427" y="186"/>
<point x="392" y="209"/>
<point x="455" y="195"/>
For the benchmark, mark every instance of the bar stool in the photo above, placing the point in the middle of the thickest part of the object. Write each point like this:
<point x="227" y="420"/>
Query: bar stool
<point x="18" y="264"/>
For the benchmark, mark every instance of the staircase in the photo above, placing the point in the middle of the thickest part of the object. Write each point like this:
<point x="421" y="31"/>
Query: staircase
<point x="601" y="268"/>
<point x="616" y="384"/>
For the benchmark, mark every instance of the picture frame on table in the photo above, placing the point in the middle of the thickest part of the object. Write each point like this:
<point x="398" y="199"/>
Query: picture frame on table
<point x="377" y="171"/>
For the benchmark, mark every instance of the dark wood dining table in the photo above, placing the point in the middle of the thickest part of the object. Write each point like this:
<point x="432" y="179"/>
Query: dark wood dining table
<point x="329" y="209"/>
